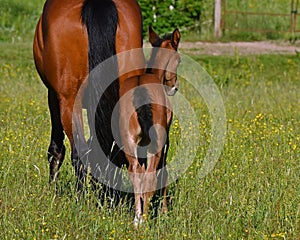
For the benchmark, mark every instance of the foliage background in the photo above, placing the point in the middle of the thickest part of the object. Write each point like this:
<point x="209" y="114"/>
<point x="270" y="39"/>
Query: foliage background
<point x="186" y="14"/>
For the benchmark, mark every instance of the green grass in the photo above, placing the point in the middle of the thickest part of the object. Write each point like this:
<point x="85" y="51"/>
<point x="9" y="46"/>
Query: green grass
<point x="252" y="193"/>
<point x="18" y="19"/>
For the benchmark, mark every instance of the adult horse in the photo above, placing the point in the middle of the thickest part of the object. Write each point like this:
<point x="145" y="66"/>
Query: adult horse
<point x="71" y="39"/>
<point x="145" y="118"/>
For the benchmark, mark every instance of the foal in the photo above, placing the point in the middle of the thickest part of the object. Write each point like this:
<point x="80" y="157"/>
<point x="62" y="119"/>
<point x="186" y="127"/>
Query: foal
<point x="145" y="120"/>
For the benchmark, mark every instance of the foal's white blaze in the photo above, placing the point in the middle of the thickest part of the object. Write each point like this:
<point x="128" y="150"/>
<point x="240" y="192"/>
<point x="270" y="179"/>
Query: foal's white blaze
<point x="171" y="91"/>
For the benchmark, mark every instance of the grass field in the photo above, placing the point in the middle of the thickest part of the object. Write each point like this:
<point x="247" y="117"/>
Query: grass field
<point x="252" y="193"/>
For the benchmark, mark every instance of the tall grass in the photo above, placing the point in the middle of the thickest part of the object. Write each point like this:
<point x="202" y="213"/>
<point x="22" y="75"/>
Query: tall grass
<point x="252" y="193"/>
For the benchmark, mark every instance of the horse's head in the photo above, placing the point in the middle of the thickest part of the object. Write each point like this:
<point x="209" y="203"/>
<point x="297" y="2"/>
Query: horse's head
<point x="164" y="59"/>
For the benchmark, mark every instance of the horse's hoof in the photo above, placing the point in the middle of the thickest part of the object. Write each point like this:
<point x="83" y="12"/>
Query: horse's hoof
<point x="138" y="221"/>
<point x="54" y="169"/>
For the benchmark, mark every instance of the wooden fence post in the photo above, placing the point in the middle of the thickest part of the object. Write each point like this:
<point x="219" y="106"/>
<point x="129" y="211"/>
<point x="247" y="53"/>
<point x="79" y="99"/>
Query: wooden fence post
<point x="218" y="13"/>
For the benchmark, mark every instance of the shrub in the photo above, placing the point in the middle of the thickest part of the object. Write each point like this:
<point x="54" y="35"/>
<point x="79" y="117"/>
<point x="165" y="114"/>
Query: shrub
<point x="165" y="15"/>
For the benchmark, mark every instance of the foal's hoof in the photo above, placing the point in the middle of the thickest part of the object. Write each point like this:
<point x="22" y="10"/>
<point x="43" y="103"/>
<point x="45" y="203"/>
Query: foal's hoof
<point x="139" y="220"/>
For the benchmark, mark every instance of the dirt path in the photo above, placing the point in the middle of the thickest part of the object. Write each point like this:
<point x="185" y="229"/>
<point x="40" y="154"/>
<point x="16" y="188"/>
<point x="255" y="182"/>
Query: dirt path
<point x="243" y="48"/>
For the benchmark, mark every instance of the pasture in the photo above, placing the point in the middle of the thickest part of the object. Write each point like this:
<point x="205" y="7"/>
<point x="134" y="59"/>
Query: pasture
<point x="253" y="192"/>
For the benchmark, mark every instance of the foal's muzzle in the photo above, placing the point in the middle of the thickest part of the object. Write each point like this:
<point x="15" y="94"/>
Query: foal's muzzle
<point x="171" y="91"/>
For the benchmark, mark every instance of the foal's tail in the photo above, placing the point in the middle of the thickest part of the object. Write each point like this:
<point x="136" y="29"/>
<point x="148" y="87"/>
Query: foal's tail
<point x="101" y="18"/>
<point x="142" y="103"/>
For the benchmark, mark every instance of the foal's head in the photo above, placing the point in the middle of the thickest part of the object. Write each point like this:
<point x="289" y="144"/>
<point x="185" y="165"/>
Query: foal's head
<point x="164" y="59"/>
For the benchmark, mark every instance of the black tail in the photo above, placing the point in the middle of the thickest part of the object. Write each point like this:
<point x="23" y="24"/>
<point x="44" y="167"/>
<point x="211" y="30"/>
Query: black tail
<point x="142" y="103"/>
<point x="101" y="18"/>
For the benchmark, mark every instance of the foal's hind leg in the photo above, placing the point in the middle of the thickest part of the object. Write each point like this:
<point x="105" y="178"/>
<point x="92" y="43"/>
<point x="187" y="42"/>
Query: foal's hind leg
<point x="56" y="150"/>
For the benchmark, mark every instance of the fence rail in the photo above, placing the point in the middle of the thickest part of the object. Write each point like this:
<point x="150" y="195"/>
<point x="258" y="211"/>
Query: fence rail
<point x="292" y="15"/>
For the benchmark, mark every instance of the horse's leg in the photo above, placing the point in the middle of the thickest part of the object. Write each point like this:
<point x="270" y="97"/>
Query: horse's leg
<point x="136" y="174"/>
<point x="163" y="177"/>
<point x="71" y="118"/>
<point x="56" y="150"/>
<point x="150" y="180"/>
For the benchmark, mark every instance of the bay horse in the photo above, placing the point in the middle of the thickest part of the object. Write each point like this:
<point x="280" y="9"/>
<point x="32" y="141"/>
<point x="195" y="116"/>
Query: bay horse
<point x="145" y="118"/>
<point x="71" y="38"/>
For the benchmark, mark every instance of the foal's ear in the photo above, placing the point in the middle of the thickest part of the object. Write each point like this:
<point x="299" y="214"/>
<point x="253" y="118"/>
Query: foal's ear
<point x="175" y="38"/>
<point x="153" y="36"/>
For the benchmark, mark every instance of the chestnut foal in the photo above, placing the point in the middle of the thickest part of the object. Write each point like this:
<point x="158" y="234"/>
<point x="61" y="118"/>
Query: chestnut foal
<point x="145" y="119"/>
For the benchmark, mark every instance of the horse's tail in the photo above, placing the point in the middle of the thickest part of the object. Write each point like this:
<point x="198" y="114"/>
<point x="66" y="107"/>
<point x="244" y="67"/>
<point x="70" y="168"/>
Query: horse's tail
<point x="101" y="19"/>
<point x="142" y="103"/>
